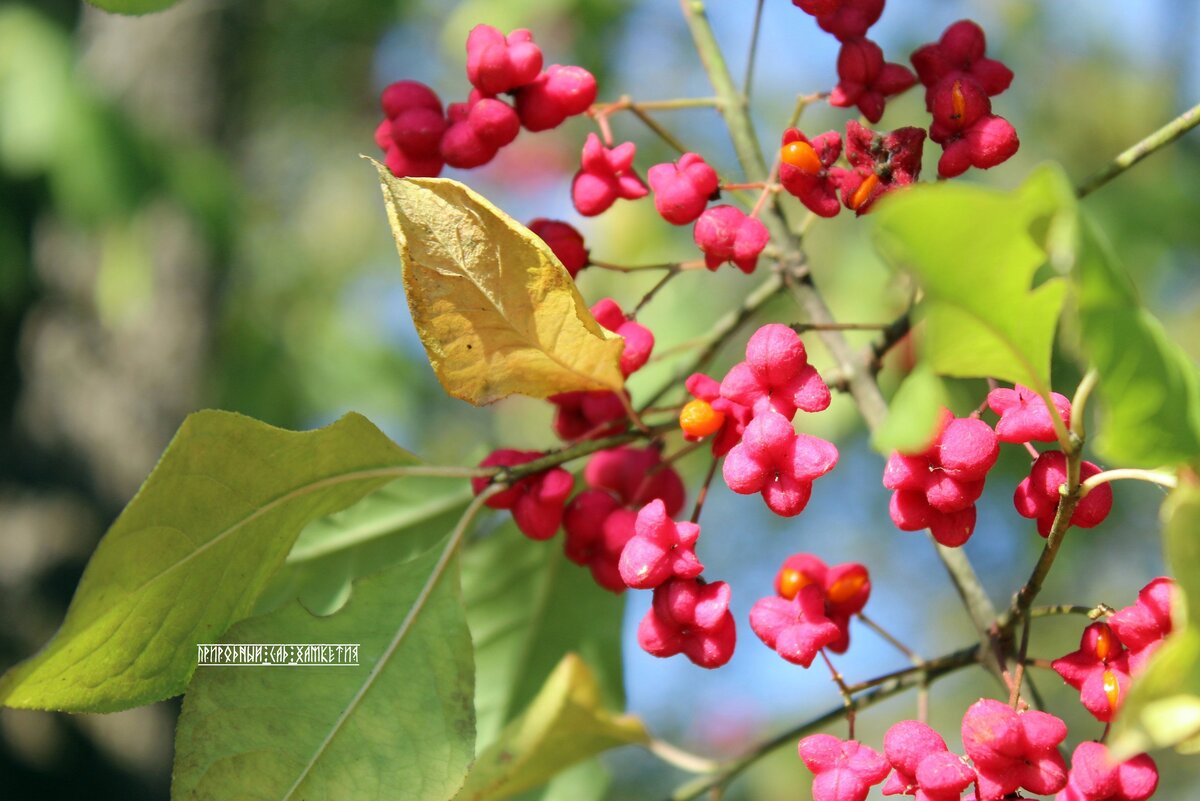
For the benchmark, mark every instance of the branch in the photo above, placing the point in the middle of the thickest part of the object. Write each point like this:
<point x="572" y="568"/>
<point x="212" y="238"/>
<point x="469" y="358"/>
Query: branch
<point x="880" y="689"/>
<point x="1154" y="142"/>
<point x="859" y="379"/>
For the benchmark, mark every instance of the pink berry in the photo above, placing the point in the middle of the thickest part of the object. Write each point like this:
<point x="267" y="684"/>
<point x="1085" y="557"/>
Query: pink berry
<point x="960" y="51"/>
<point x="805" y="170"/>
<point x="796" y="628"/>
<point x="843" y="771"/>
<point x="851" y="19"/>
<point x="880" y="163"/>
<point x="865" y="80"/>
<point x="402" y="165"/>
<point x="1099" y="670"/>
<point x="924" y="765"/>
<point x="1013" y="750"/>
<point x="776" y="375"/>
<point x="682" y="190"/>
<point x="605" y="176"/>
<point x="660" y="548"/>
<point x="1024" y="416"/>
<point x="1142" y="626"/>
<point x="536" y="501"/>
<point x="496" y="63"/>
<point x="725" y="233"/>
<point x="565" y="242"/>
<point x="774" y="460"/>
<point x="403" y="95"/>
<point x="1095" y="777"/>
<point x="558" y="93"/>
<point x="692" y="618"/>
<point x="1038" y="495"/>
<point x="967" y="449"/>
<point x="736" y="416"/>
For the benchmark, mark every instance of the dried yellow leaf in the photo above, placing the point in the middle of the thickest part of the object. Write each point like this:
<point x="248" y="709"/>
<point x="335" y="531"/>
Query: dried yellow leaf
<point x="497" y="313"/>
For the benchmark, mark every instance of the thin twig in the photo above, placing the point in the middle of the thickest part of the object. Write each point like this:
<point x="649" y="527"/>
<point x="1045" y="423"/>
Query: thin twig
<point x="748" y="81"/>
<point x="892" y="640"/>
<point x="1152" y="143"/>
<point x="843" y="690"/>
<point x="703" y="494"/>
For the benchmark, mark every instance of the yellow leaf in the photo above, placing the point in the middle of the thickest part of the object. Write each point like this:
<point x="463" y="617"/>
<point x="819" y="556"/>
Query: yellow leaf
<point x="497" y="313"/>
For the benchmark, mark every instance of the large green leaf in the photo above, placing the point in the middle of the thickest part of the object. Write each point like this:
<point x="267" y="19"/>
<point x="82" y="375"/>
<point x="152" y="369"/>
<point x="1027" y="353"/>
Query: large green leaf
<point x="527" y="606"/>
<point x="385" y="528"/>
<point x="398" y="726"/>
<point x="133" y="6"/>
<point x="1163" y="708"/>
<point x="192" y="551"/>
<point x="565" y="723"/>
<point x="976" y="253"/>
<point x="1149" y="387"/>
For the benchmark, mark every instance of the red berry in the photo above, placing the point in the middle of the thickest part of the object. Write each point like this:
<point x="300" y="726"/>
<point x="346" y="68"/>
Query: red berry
<point x="565" y="242"/>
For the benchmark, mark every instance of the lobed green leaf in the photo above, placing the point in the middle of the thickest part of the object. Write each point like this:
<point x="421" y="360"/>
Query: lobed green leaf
<point x="400" y="725"/>
<point x="977" y="254"/>
<point x="191" y="553"/>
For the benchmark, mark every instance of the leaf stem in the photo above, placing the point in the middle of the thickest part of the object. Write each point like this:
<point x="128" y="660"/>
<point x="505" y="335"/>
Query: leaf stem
<point x="1132" y="155"/>
<point x="684" y="760"/>
<point x="1153" y="476"/>
<point x="748" y="80"/>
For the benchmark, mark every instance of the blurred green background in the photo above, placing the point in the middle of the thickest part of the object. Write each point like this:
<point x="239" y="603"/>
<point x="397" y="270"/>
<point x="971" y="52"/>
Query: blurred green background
<point x="185" y="223"/>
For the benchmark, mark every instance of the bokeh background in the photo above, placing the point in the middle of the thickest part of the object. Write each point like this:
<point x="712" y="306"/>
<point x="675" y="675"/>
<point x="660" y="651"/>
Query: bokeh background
<point x="185" y="223"/>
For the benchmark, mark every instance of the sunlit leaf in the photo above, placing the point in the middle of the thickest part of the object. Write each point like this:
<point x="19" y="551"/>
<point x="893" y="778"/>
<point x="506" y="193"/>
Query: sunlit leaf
<point x="133" y="6"/>
<point x="564" y="724"/>
<point x="1149" y="387"/>
<point x="913" y="412"/>
<point x="191" y="553"/>
<point x="496" y="311"/>
<point x="400" y="725"/>
<point x="976" y="253"/>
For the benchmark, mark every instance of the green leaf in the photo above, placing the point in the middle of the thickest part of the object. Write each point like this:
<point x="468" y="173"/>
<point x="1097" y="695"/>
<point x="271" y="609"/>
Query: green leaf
<point x="385" y="528"/>
<point x="192" y="551"/>
<point x="527" y="606"/>
<point x="976" y="253"/>
<point x="564" y="724"/>
<point x="1149" y="387"/>
<point x="493" y="306"/>
<point x="133" y="6"/>
<point x="1163" y="707"/>
<point x="400" y="725"/>
<point x="913" y="413"/>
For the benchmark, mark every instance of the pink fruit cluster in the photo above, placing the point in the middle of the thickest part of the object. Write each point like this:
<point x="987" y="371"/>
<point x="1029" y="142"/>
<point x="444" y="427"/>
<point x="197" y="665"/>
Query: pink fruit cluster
<point x="419" y="138"/>
<point x="1038" y="495"/>
<point x="774" y="382"/>
<point x="1006" y="752"/>
<point x="600" y="520"/>
<point x="605" y="176"/>
<point x="1111" y="654"/>
<point x="536" y="501"/>
<point x="879" y="163"/>
<point x="959" y="80"/>
<point x="811" y="609"/>
<point x="936" y="488"/>
<point x="593" y="413"/>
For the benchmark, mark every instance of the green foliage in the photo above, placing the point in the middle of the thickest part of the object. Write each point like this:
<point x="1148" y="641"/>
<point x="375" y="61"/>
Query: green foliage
<point x="564" y="724"/>
<point x="976" y="254"/>
<point x="913" y="412"/>
<point x="192" y="551"/>
<point x="387" y="527"/>
<point x="1149" y="387"/>
<point x="1163" y="707"/>
<point x="133" y="6"/>
<point x="400" y="725"/>
<point x="528" y="606"/>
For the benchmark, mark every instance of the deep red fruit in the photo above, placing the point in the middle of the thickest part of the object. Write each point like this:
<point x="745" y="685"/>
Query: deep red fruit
<point x="496" y="63"/>
<point x="692" y="618"/>
<point x="866" y="80"/>
<point x="558" y="93"/>
<point x="880" y="163"/>
<point x="536" y="501"/>
<point x="1037" y="496"/>
<point x="565" y="242"/>
<point x="804" y="170"/>
<point x="605" y="175"/>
